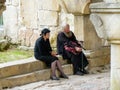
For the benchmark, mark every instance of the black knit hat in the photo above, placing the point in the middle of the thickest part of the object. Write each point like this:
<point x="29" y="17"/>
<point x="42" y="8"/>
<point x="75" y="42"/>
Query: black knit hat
<point x="44" y="31"/>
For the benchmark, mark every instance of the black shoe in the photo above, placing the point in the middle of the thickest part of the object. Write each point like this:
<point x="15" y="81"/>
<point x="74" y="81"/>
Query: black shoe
<point x="79" y="73"/>
<point x="85" y="71"/>
<point x="54" y="78"/>
<point x="63" y="76"/>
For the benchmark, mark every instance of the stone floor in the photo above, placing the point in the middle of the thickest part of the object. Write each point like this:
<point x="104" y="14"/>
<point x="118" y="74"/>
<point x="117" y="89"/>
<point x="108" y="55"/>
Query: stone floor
<point x="100" y="81"/>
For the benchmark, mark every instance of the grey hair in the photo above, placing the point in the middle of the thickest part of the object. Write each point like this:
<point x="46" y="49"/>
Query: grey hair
<point x="64" y="25"/>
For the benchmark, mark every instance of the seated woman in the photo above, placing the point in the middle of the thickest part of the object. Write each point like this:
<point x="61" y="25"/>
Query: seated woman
<point x="43" y="52"/>
<point x="70" y="49"/>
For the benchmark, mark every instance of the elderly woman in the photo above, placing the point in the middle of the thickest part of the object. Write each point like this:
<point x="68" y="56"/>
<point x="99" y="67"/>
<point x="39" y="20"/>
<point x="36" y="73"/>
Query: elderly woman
<point x="70" y="49"/>
<point x="43" y="52"/>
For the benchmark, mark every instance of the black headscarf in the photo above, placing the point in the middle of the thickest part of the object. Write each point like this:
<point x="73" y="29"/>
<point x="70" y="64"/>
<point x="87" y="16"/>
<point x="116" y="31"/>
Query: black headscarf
<point x="44" y="31"/>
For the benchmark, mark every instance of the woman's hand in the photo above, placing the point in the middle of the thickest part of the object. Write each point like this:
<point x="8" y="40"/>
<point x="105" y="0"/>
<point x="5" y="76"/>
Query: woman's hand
<point x="78" y="49"/>
<point x="53" y="53"/>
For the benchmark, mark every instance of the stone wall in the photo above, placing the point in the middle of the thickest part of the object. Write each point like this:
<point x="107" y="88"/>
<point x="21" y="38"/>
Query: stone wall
<point x="27" y="19"/>
<point x="91" y="39"/>
<point x="2" y="8"/>
<point x="36" y="16"/>
<point x="10" y="17"/>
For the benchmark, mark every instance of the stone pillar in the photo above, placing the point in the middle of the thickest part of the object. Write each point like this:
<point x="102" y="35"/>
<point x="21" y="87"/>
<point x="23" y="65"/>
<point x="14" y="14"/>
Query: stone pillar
<point x="105" y="17"/>
<point x="79" y="27"/>
<point x="10" y="16"/>
<point x="115" y="66"/>
<point x="85" y="31"/>
<point x="82" y="24"/>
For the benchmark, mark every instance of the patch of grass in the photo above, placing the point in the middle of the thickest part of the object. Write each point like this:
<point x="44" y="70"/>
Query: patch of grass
<point x="14" y="54"/>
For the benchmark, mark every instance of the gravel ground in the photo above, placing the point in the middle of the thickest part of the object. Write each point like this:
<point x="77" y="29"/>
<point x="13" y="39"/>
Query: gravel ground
<point x="100" y="81"/>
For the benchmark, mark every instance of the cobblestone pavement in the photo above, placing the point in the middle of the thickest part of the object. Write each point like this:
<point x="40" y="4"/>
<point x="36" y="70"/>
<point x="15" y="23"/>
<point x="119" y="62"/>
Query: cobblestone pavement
<point x="100" y="81"/>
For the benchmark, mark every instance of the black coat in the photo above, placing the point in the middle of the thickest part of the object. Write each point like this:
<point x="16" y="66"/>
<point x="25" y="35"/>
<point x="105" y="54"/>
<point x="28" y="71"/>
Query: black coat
<point x="42" y="48"/>
<point x="79" y="61"/>
<point x="61" y="40"/>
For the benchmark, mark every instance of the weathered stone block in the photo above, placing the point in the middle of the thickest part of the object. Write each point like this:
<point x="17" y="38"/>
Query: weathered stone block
<point x="105" y="51"/>
<point x="10" y="17"/>
<point x="22" y="35"/>
<point x="32" y="77"/>
<point x="1" y="32"/>
<point x="4" y="45"/>
<point x="75" y="6"/>
<point x="15" y="2"/>
<point x="23" y="66"/>
<point x="34" y="37"/>
<point x="26" y="48"/>
<point x="29" y="34"/>
<point x="48" y="18"/>
<point x="48" y="5"/>
<point x="99" y="61"/>
<point x="29" y="13"/>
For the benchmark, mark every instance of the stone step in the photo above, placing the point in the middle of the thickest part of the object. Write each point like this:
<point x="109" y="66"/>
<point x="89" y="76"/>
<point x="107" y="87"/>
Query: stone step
<point x="30" y="65"/>
<point x="31" y="77"/>
<point x="30" y="70"/>
<point x="23" y="66"/>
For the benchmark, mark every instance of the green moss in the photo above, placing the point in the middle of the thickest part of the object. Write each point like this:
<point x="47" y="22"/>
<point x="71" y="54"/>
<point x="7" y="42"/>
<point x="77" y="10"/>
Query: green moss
<point x="14" y="54"/>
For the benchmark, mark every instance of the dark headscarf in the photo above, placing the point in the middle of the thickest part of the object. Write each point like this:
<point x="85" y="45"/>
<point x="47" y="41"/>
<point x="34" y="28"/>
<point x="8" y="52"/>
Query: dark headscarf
<point x="44" y="31"/>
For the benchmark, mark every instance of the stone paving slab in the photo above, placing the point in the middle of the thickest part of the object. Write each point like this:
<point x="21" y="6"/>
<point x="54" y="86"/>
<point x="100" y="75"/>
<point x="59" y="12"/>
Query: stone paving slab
<point x="99" y="81"/>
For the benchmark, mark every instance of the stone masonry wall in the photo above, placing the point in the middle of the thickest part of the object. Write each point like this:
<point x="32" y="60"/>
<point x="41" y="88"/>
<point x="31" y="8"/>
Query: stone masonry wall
<point x="38" y="14"/>
<point x="10" y="17"/>
<point x="24" y="21"/>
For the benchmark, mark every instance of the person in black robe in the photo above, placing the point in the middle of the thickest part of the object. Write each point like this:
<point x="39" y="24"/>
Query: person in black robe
<point x="43" y="52"/>
<point x="78" y="60"/>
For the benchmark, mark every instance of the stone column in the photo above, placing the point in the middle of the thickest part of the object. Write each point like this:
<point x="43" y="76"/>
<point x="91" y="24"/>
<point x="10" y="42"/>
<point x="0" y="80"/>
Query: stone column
<point x="82" y="24"/>
<point x="115" y="66"/>
<point x="79" y="27"/>
<point x="10" y="16"/>
<point x="107" y="15"/>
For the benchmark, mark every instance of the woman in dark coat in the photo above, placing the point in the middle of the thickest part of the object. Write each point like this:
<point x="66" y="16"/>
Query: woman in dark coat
<point x="43" y="52"/>
<point x="71" y="52"/>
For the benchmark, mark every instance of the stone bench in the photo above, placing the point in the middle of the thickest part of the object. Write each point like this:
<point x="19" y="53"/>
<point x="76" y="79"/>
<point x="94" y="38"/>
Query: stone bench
<point x="30" y="70"/>
<point x="23" y="66"/>
<point x="26" y="71"/>
<point x="31" y="77"/>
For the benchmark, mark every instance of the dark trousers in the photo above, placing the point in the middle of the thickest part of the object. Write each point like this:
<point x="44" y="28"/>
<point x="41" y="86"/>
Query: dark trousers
<point x="78" y="61"/>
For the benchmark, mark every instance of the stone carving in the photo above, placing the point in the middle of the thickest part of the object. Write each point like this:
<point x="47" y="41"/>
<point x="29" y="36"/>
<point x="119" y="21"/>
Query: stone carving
<point x="98" y="24"/>
<point x="99" y="27"/>
<point x="75" y="6"/>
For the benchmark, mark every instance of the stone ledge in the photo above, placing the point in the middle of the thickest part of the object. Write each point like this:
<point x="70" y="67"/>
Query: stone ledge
<point x="31" y="77"/>
<point x="14" y="68"/>
<point x="31" y="70"/>
<point x="22" y="67"/>
<point x="103" y="51"/>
